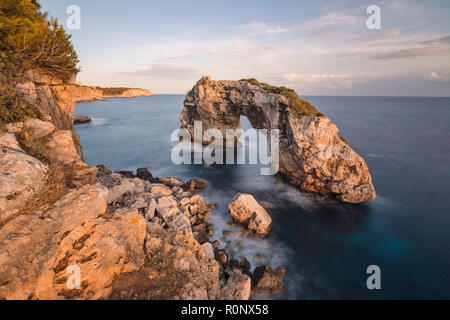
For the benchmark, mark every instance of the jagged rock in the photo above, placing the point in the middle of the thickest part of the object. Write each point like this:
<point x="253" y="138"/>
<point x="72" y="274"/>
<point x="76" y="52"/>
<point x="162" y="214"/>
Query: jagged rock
<point x="196" y="184"/>
<point x="247" y="211"/>
<point x="244" y="264"/>
<point x="158" y="190"/>
<point x="312" y="156"/>
<point x="62" y="148"/>
<point x="80" y="119"/>
<point x="176" y="268"/>
<point x="172" y="182"/>
<point x="139" y="203"/>
<point x="238" y="286"/>
<point x="144" y="174"/>
<point x="208" y="250"/>
<point x="15" y="127"/>
<point x="117" y="191"/>
<point x="39" y="250"/>
<point x="126" y="174"/>
<point x="268" y="280"/>
<point x="222" y="257"/>
<point x="21" y="176"/>
<point x="39" y="128"/>
<point x="150" y="212"/>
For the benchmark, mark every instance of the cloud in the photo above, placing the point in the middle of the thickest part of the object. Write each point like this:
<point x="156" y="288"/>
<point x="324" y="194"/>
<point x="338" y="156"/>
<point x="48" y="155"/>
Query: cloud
<point x="166" y="71"/>
<point x="407" y="53"/>
<point x="319" y="79"/>
<point x="445" y="40"/>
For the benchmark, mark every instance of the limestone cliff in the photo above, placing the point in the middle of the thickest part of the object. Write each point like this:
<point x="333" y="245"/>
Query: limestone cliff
<point x="86" y="93"/>
<point x="312" y="155"/>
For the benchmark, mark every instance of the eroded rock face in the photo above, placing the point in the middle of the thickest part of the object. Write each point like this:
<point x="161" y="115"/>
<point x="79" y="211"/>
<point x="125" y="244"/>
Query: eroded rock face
<point x="247" y="211"/>
<point x="21" y="176"/>
<point x="312" y="155"/>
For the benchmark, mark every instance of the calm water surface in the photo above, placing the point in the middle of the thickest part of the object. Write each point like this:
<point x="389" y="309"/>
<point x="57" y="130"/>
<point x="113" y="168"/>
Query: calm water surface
<point x="326" y="246"/>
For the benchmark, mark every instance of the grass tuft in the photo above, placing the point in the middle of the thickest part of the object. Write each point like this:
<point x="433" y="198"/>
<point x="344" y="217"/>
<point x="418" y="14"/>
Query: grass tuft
<point x="301" y="107"/>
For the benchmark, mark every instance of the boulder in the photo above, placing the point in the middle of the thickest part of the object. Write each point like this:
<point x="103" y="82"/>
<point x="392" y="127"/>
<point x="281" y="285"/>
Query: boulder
<point x="238" y="286"/>
<point x="150" y="211"/>
<point x="144" y="174"/>
<point x="118" y="191"/>
<point x="268" y="281"/>
<point x="247" y="211"/>
<point x="208" y="250"/>
<point x="62" y="149"/>
<point x="126" y="174"/>
<point x="222" y="257"/>
<point x="244" y="264"/>
<point x="158" y="190"/>
<point x="172" y="182"/>
<point x="21" y="176"/>
<point x="80" y="119"/>
<point x="196" y="184"/>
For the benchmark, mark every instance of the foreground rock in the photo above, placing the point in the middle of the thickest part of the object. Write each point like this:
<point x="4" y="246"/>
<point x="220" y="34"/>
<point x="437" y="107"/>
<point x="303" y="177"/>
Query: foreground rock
<point x="39" y="248"/>
<point x="21" y="176"/>
<point x="268" y="281"/>
<point x="247" y="211"/>
<point x="312" y="155"/>
<point x="62" y="148"/>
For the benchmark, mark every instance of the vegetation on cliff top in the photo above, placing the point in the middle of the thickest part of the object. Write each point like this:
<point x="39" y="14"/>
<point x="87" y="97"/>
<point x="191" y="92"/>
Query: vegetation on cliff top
<point x="29" y="39"/>
<point x="295" y="103"/>
<point x="32" y="40"/>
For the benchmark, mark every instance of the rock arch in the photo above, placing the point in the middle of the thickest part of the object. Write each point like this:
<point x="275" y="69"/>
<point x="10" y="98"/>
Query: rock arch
<point x="312" y="155"/>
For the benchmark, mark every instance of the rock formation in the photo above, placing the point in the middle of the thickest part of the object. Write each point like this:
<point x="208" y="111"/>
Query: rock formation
<point x="246" y="210"/>
<point x="21" y="176"/>
<point x="312" y="155"/>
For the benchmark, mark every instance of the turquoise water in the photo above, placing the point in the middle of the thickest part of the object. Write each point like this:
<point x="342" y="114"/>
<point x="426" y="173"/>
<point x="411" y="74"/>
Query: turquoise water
<point x="326" y="246"/>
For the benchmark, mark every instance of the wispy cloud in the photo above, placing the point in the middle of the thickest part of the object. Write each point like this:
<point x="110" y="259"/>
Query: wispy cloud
<point x="407" y="53"/>
<point x="166" y="71"/>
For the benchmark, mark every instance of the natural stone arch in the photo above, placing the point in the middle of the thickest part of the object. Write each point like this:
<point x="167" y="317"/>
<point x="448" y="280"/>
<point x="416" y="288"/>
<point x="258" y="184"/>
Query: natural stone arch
<point x="312" y="155"/>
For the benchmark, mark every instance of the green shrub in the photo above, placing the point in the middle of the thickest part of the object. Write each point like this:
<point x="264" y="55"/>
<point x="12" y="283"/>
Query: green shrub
<point x="302" y="107"/>
<point x="112" y="91"/>
<point x="31" y="40"/>
<point x="13" y="107"/>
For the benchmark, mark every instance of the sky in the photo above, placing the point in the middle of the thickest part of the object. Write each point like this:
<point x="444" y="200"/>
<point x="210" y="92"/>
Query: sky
<point x="316" y="47"/>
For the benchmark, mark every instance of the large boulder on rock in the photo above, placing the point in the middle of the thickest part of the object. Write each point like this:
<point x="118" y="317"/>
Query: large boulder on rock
<point x="312" y="155"/>
<point x="268" y="281"/>
<point x="21" y="176"/>
<point x="247" y="211"/>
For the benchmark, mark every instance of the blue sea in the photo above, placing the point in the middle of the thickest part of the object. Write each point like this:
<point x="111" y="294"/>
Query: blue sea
<point x="325" y="246"/>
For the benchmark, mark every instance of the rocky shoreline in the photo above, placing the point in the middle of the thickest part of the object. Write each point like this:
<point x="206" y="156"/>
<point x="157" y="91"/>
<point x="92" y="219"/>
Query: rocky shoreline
<point x="130" y="235"/>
